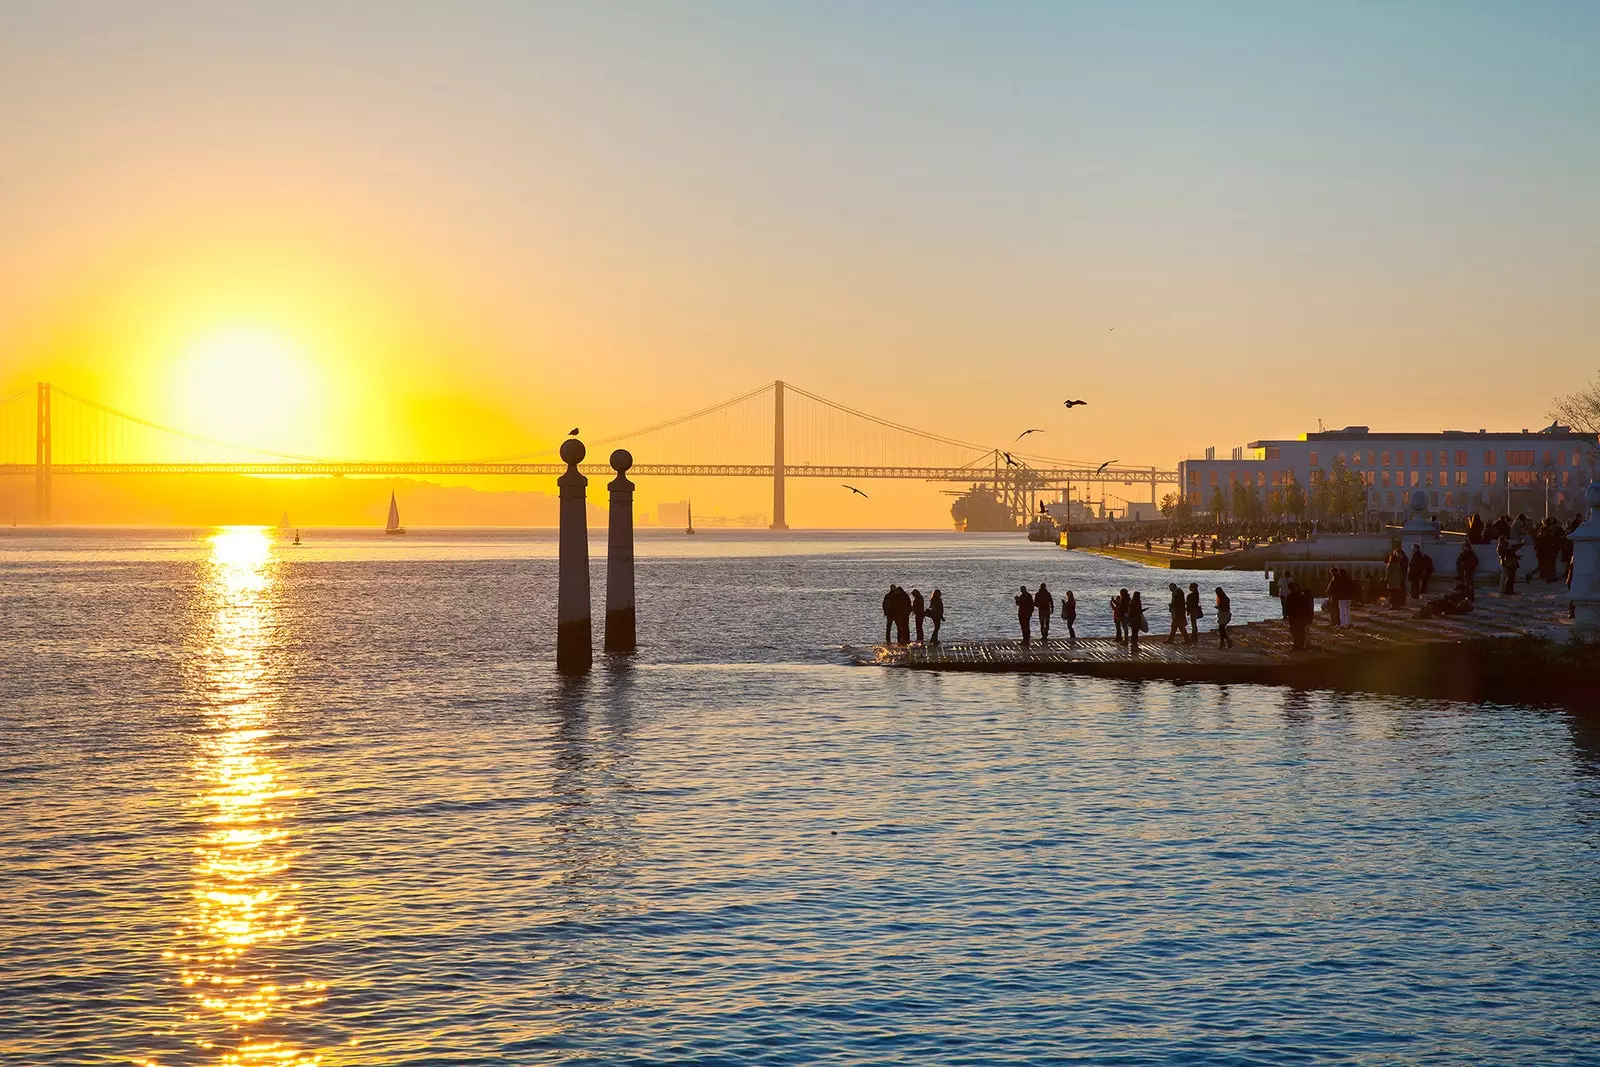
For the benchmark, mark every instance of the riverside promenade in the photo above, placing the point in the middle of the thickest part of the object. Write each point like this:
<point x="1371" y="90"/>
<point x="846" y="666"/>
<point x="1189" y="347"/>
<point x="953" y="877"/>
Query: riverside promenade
<point x="1508" y="648"/>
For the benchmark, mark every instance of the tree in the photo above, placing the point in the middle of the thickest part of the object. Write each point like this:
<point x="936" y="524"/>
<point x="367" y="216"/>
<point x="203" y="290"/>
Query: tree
<point x="1347" y="493"/>
<point x="1294" y="498"/>
<point x="1176" y="507"/>
<point x="1580" y="410"/>
<point x="1219" y="503"/>
<point x="1275" y="508"/>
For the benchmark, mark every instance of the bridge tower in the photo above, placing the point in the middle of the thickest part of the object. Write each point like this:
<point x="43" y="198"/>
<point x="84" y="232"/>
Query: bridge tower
<point x="42" y="458"/>
<point x="778" y="517"/>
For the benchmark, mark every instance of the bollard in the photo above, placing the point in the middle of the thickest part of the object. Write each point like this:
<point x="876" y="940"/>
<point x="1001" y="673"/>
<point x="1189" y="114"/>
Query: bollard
<point x="1585" y="591"/>
<point x="620" y="631"/>
<point x="574" y="640"/>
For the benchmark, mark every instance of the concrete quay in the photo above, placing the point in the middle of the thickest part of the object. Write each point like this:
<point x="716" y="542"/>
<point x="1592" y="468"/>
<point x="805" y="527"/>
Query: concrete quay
<point x="1509" y="648"/>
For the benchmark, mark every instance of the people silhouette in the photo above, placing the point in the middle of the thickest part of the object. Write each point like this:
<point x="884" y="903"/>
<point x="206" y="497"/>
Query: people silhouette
<point x="917" y="611"/>
<point x="1045" y="604"/>
<point x="936" y="612"/>
<point x="1024" y="601"/>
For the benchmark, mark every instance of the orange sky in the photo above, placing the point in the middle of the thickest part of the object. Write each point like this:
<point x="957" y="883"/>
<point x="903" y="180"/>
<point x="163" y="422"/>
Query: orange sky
<point x="399" y="231"/>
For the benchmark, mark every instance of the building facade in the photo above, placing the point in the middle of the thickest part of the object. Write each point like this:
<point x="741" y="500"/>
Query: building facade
<point x="1460" y="471"/>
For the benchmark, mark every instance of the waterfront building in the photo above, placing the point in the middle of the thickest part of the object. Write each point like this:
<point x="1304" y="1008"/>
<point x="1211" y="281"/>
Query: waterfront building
<point x="1461" y="471"/>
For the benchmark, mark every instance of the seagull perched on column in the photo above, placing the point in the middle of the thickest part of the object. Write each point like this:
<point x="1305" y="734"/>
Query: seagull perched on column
<point x="572" y="432"/>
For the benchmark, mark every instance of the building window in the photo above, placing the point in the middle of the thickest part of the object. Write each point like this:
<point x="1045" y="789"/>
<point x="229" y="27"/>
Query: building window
<point x="1548" y="460"/>
<point x="1194" y="477"/>
<point x="1427" y="459"/>
<point x="1261" y="479"/>
<point x="1414" y="477"/>
<point x="1461" y="477"/>
<point x="1434" y="496"/>
<point x="1391" y="498"/>
<point x="1519" y="459"/>
<point x="1566" y="477"/>
<point x="1313" y="459"/>
<point x="1575" y="458"/>
<point x="1355" y="459"/>
<point x="1444" y="458"/>
<point x="1491" y="477"/>
<point x="1370" y="457"/>
<point x="1386" y="478"/>
<point x="1213" y="477"/>
<point x="1427" y="478"/>
<point x="1488" y="458"/>
<point x="1522" y="477"/>
<point x="1461" y="458"/>
<point x="1448" y="501"/>
<point x="1386" y="459"/>
<point x="1272" y="451"/>
<point x="1414" y="463"/>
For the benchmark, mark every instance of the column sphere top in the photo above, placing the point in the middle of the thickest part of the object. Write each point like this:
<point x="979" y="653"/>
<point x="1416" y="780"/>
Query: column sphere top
<point x="621" y="460"/>
<point x="572" y="451"/>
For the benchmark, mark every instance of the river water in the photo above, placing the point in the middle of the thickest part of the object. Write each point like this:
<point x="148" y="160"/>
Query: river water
<point x="329" y="804"/>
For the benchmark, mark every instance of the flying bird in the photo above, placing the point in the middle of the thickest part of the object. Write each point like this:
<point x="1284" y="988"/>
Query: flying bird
<point x="1009" y="461"/>
<point x="1111" y="329"/>
<point x="1025" y="433"/>
<point x="1104" y="465"/>
<point x="1074" y="403"/>
<point x="572" y="432"/>
<point x="856" y="491"/>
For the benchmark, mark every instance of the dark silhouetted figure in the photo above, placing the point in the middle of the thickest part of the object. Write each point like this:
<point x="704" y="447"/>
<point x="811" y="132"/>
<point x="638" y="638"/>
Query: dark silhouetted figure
<point x="1418" y="569"/>
<point x="936" y="612"/>
<point x="1224" y="616"/>
<point x="1467" y="566"/>
<point x="1395" y="578"/>
<point x="888" y="614"/>
<point x="902" y="615"/>
<point x="1069" y="615"/>
<point x="1117" y="619"/>
<point x="1509" y="557"/>
<point x="918" y="610"/>
<point x="1179" y="613"/>
<point x="1300" y="608"/>
<point x="1192" y="604"/>
<point x="1045" y="604"/>
<point x="1136" y="620"/>
<point x="1024" y="601"/>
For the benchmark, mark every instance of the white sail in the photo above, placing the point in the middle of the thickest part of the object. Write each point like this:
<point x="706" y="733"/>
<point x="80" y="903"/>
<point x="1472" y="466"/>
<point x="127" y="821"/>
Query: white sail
<point x="394" y="516"/>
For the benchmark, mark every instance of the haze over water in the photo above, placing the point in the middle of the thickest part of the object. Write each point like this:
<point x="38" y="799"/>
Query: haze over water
<point x="331" y="805"/>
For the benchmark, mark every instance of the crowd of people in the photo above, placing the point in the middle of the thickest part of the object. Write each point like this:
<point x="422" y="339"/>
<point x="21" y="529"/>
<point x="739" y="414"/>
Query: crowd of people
<point x="1403" y="577"/>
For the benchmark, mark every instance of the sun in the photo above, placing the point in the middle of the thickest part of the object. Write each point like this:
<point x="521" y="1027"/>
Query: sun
<point x="248" y="385"/>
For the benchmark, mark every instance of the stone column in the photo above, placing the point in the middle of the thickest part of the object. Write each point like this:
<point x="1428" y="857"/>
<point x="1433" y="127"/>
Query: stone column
<point x="620" y="632"/>
<point x="574" y="638"/>
<point x="1586" y="570"/>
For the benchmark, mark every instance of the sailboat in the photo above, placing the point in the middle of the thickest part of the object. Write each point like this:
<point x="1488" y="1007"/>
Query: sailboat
<point x="297" y="537"/>
<point x="283" y="523"/>
<point x="393" y="525"/>
<point x="690" y="528"/>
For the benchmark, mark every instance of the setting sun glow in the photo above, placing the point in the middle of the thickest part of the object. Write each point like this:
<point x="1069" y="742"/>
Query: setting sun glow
<point x="246" y="384"/>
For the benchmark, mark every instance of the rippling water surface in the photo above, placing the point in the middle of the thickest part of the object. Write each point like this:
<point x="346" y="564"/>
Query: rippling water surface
<point x="329" y="805"/>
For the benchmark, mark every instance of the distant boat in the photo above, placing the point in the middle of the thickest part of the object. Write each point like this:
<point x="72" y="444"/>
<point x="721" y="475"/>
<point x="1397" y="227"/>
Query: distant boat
<point x="393" y="525"/>
<point x="690" y="528"/>
<point x="297" y="537"/>
<point x="283" y="523"/>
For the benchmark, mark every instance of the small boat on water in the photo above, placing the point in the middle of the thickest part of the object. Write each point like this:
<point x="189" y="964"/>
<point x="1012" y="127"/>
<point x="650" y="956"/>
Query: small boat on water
<point x="297" y="537"/>
<point x="1043" y="529"/>
<point x="393" y="525"/>
<point x="690" y="528"/>
<point x="283" y="523"/>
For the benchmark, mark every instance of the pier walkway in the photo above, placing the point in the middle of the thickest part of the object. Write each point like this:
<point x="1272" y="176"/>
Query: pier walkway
<point x="1499" y="647"/>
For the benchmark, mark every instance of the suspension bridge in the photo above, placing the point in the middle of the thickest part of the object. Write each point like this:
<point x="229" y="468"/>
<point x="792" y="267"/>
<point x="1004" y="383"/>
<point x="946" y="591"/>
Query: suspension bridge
<point x="777" y="431"/>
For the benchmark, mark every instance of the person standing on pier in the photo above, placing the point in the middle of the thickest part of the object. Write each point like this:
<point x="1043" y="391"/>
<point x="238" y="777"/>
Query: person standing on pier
<point x="1224" y="616"/>
<point x="1046" y="606"/>
<point x="1467" y="566"/>
<point x="1395" y="579"/>
<point x="1117" y="619"/>
<point x="1024" y="601"/>
<point x="1509" y="557"/>
<point x="1135" y="620"/>
<point x="888" y="614"/>
<point x="1414" y="570"/>
<point x="1192" y="604"/>
<point x="1179" y="614"/>
<point x="936" y="612"/>
<point x="918" y="610"/>
<point x="1300" y="608"/>
<point x="1069" y="615"/>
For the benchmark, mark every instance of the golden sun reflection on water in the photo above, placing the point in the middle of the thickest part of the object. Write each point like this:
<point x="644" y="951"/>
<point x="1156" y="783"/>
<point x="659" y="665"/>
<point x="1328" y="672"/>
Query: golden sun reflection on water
<point x="243" y="907"/>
